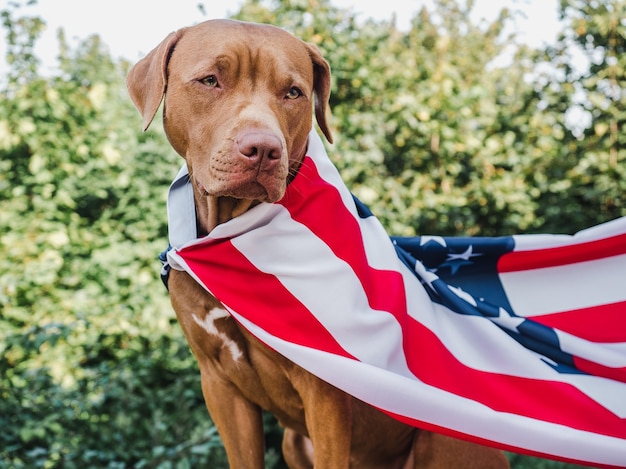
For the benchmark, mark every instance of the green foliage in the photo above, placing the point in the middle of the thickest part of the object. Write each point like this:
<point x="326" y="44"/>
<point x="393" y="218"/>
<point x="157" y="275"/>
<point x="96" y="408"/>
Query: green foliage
<point x="113" y="408"/>
<point x="590" y="168"/>
<point x="430" y="133"/>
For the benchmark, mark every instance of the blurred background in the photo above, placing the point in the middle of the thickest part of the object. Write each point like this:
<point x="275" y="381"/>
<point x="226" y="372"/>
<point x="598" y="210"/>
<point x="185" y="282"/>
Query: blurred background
<point x="451" y="117"/>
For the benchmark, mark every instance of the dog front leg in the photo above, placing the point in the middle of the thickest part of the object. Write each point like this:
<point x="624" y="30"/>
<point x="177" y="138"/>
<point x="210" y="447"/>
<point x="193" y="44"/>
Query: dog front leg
<point x="238" y="421"/>
<point x="328" y="413"/>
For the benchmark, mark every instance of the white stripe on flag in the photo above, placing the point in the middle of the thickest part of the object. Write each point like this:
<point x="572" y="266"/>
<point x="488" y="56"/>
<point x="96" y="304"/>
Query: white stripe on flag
<point x="529" y="242"/>
<point x="568" y="287"/>
<point x="611" y="354"/>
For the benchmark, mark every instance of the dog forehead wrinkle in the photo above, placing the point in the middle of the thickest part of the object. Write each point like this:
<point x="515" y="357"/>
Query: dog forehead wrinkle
<point x="260" y="52"/>
<point x="208" y="64"/>
<point x="255" y="66"/>
<point x="222" y="63"/>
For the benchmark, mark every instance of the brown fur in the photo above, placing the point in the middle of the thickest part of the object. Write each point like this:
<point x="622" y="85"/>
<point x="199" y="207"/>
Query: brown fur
<point x="238" y="101"/>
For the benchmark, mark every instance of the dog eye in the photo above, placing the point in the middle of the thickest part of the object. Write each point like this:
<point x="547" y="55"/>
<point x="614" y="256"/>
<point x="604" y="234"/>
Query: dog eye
<point x="210" y="81"/>
<point x="293" y="93"/>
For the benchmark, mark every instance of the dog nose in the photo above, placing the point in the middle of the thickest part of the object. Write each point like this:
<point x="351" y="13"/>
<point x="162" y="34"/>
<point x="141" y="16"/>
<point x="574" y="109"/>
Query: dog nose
<point x="260" y="146"/>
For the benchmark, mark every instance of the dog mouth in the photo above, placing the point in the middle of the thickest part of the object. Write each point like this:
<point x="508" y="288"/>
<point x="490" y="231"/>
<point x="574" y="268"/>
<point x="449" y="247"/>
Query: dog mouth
<point x="262" y="188"/>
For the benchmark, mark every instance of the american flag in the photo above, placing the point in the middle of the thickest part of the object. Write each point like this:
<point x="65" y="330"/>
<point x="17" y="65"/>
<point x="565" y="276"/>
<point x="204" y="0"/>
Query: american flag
<point x="516" y="342"/>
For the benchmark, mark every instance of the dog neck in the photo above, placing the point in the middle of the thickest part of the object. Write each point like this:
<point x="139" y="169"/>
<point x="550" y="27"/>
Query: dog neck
<point x="212" y="211"/>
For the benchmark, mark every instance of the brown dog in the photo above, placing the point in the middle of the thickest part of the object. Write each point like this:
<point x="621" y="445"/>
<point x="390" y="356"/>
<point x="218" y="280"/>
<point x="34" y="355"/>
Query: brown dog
<point x="238" y="107"/>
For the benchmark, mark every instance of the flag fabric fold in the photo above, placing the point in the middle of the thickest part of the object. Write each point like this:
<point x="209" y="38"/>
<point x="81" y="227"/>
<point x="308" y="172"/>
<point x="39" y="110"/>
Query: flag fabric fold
<point x="517" y="342"/>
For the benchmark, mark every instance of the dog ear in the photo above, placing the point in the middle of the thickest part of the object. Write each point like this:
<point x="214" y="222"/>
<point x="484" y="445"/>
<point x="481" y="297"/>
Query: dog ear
<point x="321" y="89"/>
<point x="147" y="79"/>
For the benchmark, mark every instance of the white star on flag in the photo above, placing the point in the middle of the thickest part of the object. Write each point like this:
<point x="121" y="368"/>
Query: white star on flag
<point x="466" y="255"/>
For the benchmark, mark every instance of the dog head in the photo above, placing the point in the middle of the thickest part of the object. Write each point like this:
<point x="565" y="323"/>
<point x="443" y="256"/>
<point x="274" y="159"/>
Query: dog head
<point x="238" y="101"/>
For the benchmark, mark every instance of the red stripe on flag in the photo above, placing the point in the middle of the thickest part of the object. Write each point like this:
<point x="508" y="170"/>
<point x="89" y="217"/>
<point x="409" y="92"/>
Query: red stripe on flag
<point x="342" y="234"/>
<point x="595" y="369"/>
<point x="554" y="257"/>
<point x="543" y="400"/>
<point x="603" y="323"/>
<point x="284" y="316"/>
